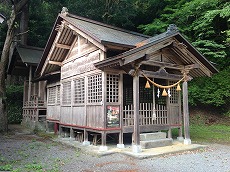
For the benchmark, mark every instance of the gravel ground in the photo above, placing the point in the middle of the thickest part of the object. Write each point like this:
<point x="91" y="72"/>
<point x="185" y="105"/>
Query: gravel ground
<point x="28" y="152"/>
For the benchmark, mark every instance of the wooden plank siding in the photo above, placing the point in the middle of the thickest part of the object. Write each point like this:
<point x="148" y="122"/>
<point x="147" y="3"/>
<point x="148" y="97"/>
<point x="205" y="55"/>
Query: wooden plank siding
<point x="78" y="115"/>
<point x="85" y="108"/>
<point x="95" y="116"/>
<point x="53" y="112"/>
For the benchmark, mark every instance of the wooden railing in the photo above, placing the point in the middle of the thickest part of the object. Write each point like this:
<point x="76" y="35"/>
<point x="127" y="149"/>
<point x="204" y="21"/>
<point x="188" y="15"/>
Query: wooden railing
<point x="31" y="110"/>
<point x="147" y="115"/>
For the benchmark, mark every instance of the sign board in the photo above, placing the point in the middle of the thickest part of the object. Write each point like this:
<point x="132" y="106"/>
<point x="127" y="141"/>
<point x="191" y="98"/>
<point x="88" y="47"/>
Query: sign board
<point x="113" y="114"/>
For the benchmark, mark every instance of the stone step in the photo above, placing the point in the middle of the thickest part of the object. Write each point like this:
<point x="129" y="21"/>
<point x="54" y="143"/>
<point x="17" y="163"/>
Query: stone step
<point x="156" y="143"/>
<point x="152" y="136"/>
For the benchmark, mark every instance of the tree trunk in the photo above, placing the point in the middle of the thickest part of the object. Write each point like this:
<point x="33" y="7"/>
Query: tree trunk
<point x="4" y="63"/>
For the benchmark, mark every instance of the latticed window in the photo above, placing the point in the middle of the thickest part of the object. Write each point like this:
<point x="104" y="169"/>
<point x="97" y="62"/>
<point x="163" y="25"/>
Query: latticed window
<point x="174" y="94"/>
<point x="58" y="94"/>
<point x="112" y="88"/>
<point x="79" y="90"/>
<point x="66" y="94"/>
<point x="95" y="88"/>
<point x="51" y="95"/>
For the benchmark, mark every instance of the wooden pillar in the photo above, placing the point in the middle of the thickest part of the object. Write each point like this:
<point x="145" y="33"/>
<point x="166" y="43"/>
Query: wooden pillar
<point x="30" y="79"/>
<point x="103" y="146"/>
<point x="103" y="139"/>
<point x="55" y="128"/>
<point x="168" y="107"/>
<point x="121" y="135"/>
<point x="61" y="133"/>
<point x="187" y="139"/>
<point x="72" y="136"/>
<point x="136" y="134"/>
<point x="85" y="135"/>
<point x="86" y="141"/>
<point x="180" y="137"/>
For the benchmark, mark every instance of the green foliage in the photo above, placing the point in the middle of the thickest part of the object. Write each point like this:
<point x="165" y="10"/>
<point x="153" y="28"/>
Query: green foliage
<point x="14" y="96"/>
<point x="34" y="166"/>
<point x="205" y="23"/>
<point x="6" y="167"/>
<point x="211" y="91"/>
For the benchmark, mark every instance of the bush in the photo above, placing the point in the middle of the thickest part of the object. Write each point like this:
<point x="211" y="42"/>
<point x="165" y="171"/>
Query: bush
<point x="214" y="91"/>
<point x="14" y="102"/>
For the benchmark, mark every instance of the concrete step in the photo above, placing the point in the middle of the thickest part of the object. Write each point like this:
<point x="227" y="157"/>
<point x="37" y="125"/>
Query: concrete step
<point x="156" y="143"/>
<point x="152" y="136"/>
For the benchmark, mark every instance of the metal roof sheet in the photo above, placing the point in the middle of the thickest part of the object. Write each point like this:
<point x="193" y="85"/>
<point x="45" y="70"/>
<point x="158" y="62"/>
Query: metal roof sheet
<point x="106" y="33"/>
<point x="30" y="55"/>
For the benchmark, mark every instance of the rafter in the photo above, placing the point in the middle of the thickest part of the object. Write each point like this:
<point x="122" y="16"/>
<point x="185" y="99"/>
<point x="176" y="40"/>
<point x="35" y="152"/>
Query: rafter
<point x="63" y="46"/>
<point x="55" y="63"/>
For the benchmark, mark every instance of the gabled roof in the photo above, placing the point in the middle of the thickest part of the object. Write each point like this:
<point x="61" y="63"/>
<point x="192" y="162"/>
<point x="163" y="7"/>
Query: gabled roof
<point x="99" y="32"/>
<point x="26" y="55"/>
<point x="104" y="33"/>
<point x="186" y="55"/>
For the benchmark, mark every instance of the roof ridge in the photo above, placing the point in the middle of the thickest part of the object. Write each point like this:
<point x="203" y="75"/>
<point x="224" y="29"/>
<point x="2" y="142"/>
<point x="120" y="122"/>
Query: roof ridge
<point x="104" y="24"/>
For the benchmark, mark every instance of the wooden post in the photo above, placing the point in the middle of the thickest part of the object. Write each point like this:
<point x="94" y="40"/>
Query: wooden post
<point x="61" y="131"/>
<point x="121" y="135"/>
<point x="180" y="137"/>
<point x="136" y="134"/>
<point x="86" y="141"/>
<point x="187" y="139"/>
<point x="169" y="115"/>
<point x="55" y="128"/>
<point x="103" y="146"/>
<point x="71" y="133"/>
<point x="30" y="78"/>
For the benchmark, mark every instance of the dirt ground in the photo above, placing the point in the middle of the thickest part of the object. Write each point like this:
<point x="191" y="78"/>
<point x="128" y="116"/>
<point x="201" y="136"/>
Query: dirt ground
<point x="21" y="150"/>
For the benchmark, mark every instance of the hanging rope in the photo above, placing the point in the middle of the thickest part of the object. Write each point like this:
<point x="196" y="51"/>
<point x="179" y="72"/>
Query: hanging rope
<point x="163" y="86"/>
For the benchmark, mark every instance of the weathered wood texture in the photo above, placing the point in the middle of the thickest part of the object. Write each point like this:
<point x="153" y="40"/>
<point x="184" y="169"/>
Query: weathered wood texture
<point x="78" y="115"/>
<point x="147" y="115"/>
<point x="53" y="112"/>
<point x="66" y="115"/>
<point x="136" y="115"/>
<point x="95" y="116"/>
<point x="81" y="86"/>
<point x="81" y="59"/>
<point x="34" y="101"/>
<point x="186" y="110"/>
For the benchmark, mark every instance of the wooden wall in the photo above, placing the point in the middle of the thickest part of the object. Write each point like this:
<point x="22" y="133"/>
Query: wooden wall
<point x="85" y="88"/>
<point x="53" y="101"/>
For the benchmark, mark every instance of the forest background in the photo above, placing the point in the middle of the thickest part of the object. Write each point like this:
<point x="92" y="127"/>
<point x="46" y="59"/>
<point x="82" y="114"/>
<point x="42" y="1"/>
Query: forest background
<point x="205" y="23"/>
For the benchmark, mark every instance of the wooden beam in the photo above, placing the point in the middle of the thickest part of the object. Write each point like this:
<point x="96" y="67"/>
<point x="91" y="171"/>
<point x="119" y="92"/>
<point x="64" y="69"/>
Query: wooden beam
<point x="162" y="76"/>
<point x="63" y="46"/>
<point x="185" y="54"/>
<point x="192" y="66"/>
<point x="51" y="51"/>
<point x="163" y="64"/>
<point x="150" y="50"/>
<point x="85" y="35"/>
<point x="55" y="63"/>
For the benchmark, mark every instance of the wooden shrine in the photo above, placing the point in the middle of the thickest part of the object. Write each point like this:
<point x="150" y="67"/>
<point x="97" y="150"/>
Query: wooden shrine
<point x="96" y="78"/>
<point x="23" y="63"/>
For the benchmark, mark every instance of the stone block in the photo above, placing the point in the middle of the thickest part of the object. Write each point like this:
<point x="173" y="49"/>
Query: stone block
<point x="152" y="136"/>
<point x="156" y="143"/>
